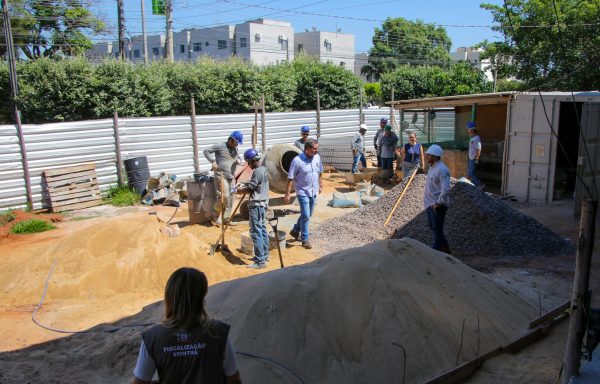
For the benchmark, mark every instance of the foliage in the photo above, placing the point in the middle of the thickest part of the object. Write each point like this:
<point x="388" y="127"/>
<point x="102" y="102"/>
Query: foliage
<point x="338" y="87"/>
<point x="552" y="44"/>
<point x="76" y="89"/>
<point x="410" y="82"/>
<point x="122" y="196"/>
<point x="31" y="226"/>
<point x="504" y="85"/>
<point x="53" y="28"/>
<point x="373" y="92"/>
<point x="6" y="217"/>
<point x="400" y="41"/>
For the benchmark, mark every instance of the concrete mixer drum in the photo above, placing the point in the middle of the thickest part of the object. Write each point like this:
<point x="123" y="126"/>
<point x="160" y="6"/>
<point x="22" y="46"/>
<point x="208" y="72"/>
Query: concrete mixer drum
<point x="278" y="160"/>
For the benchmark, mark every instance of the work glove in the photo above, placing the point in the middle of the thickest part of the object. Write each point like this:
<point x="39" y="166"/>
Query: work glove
<point x="214" y="166"/>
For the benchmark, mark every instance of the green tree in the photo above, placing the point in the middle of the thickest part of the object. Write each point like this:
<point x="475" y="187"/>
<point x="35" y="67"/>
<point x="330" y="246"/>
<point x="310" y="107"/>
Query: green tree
<point x="53" y="28"/>
<point x="400" y="41"/>
<point x="552" y="44"/>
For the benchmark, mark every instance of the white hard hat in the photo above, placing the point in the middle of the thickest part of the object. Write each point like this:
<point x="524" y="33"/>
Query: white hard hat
<point x="435" y="150"/>
<point x="363" y="126"/>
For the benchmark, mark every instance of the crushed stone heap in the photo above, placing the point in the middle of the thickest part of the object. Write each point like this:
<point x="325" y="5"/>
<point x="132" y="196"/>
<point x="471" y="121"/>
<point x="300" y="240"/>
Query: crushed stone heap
<point x="338" y="319"/>
<point x="476" y="224"/>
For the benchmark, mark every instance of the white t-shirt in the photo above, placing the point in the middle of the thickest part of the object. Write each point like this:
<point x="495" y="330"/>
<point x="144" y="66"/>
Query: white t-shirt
<point x="145" y="367"/>
<point x="474" y="146"/>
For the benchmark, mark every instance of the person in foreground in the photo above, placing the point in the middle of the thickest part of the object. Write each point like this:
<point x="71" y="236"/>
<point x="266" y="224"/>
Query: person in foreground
<point x="188" y="346"/>
<point x="437" y="196"/>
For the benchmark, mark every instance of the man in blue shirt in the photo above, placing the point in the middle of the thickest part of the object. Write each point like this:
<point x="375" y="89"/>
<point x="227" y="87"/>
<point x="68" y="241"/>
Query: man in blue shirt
<point x="305" y="172"/>
<point x="437" y="196"/>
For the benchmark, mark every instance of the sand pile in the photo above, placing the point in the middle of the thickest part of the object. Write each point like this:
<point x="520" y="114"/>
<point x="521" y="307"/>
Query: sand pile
<point x="476" y="224"/>
<point x="334" y="320"/>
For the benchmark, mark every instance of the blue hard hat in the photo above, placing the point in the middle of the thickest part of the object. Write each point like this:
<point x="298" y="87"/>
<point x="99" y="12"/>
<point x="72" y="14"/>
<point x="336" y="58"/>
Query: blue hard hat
<point x="383" y="120"/>
<point x="305" y="128"/>
<point x="470" y="124"/>
<point x="251" y="154"/>
<point x="237" y="136"/>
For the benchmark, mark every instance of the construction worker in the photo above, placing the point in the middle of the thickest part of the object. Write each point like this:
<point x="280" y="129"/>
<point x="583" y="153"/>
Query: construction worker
<point x="187" y="346"/>
<point x="387" y="151"/>
<point x="474" y="153"/>
<point x="382" y="123"/>
<point x="437" y="196"/>
<point x="258" y="187"/>
<point x="304" y="132"/>
<point x="224" y="158"/>
<point x="358" y="148"/>
<point x="305" y="172"/>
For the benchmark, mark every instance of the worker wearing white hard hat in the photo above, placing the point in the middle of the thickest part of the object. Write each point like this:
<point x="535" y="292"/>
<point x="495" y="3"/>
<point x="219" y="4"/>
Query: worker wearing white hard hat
<point x="437" y="196"/>
<point x="358" y="148"/>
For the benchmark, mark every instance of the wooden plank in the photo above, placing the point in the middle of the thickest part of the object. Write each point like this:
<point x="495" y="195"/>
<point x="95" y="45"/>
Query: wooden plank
<point x="75" y="200"/>
<point x="73" y="179"/>
<point x="56" y="197"/>
<point x="86" y="204"/>
<point x="70" y="175"/>
<point x="68" y="187"/>
<point x="551" y="315"/>
<point x="65" y="170"/>
<point x="461" y="372"/>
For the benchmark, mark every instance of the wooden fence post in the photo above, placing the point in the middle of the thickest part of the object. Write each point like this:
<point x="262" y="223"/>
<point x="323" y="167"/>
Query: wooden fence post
<point x="195" y="136"/>
<point x="263" y="121"/>
<point x="118" y="149"/>
<point x="585" y="246"/>
<point x="318" y="115"/>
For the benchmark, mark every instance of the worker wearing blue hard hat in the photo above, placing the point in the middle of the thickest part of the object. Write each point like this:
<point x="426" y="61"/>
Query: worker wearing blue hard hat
<point x="304" y="132"/>
<point x="224" y="159"/>
<point x="258" y="188"/>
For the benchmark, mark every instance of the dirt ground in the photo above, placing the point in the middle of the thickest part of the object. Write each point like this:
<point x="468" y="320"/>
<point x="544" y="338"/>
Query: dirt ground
<point x="85" y="294"/>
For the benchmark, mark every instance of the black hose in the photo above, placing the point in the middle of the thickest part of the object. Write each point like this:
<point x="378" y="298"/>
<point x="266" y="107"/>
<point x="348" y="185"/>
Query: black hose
<point x="297" y="376"/>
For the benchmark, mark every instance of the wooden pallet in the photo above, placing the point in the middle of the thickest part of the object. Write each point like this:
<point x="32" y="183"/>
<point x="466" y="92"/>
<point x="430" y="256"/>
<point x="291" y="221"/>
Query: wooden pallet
<point x="72" y="188"/>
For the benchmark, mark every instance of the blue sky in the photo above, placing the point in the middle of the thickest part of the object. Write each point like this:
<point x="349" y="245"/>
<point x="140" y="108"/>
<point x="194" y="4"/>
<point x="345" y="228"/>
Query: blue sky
<point x="358" y="17"/>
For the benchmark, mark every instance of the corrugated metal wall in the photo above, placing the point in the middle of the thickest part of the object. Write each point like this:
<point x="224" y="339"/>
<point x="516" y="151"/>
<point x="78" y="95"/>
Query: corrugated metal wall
<point x="165" y="141"/>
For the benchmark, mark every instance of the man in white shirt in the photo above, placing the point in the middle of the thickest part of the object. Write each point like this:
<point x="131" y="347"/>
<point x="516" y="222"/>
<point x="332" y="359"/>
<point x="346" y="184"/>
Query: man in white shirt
<point x="474" y="153"/>
<point x="437" y="196"/>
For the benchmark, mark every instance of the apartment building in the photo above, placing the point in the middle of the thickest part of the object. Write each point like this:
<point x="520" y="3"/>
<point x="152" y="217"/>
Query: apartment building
<point x="264" y="41"/>
<point x="474" y="57"/>
<point x="217" y="42"/>
<point x="332" y="47"/>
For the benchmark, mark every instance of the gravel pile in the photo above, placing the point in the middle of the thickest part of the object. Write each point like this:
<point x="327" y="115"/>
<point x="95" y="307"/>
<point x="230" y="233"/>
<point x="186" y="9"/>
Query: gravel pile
<point x="476" y="225"/>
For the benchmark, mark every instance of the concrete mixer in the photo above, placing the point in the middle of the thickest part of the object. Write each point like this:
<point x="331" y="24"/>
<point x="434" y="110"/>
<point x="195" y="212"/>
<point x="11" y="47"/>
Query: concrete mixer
<point x="278" y="160"/>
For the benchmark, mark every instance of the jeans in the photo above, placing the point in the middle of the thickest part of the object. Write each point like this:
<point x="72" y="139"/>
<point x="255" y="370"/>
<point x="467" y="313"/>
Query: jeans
<point x="259" y="234"/>
<point x="472" y="173"/>
<point x="378" y="161"/>
<point x="436" y="223"/>
<point x="307" y="205"/>
<point x="359" y="157"/>
<point x="408" y="169"/>
<point x="387" y="163"/>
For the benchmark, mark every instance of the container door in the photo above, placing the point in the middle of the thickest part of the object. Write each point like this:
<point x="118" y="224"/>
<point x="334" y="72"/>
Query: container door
<point x="588" y="161"/>
<point x="529" y="141"/>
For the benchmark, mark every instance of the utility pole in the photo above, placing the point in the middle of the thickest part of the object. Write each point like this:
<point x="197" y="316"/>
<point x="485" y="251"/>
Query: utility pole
<point x="144" y="34"/>
<point x="121" y="22"/>
<point x="14" y="87"/>
<point x="169" y="39"/>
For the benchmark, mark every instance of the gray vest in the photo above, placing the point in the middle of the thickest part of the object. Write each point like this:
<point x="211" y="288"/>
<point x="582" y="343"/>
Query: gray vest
<point x="188" y="356"/>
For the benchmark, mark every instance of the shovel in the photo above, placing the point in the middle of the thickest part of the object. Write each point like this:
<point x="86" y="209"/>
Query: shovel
<point x="274" y="226"/>
<point x="219" y="244"/>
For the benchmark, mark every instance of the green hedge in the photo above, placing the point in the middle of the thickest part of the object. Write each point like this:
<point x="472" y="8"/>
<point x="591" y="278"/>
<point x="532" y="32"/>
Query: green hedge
<point x="76" y="89"/>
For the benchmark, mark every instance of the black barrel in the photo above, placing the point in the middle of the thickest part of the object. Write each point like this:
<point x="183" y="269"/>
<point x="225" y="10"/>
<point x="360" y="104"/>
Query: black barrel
<point x="137" y="173"/>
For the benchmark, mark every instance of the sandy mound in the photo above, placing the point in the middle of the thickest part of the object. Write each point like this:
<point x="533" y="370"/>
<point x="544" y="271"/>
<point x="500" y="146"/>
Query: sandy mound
<point x="333" y="320"/>
<point x="476" y="224"/>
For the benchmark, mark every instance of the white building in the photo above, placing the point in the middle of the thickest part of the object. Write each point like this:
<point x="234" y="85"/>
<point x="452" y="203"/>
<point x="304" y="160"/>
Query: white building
<point x="329" y="47"/>
<point x="217" y="42"/>
<point x="360" y="60"/>
<point x="265" y="42"/>
<point x="103" y="50"/>
<point x="474" y="57"/>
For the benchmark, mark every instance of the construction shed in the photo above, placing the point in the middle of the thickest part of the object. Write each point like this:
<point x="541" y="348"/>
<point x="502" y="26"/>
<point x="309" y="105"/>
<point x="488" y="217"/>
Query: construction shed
<point x="522" y="135"/>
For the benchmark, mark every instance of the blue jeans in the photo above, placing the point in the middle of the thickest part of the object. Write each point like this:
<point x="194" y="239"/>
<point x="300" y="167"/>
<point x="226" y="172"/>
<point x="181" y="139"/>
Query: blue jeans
<point x="387" y="163"/>
<point x="307" y="205"/>
<point x="436" y="223"/>
<point x="259" y="234"/>
<point x="378" y="161"/>
<point x="472" y="171"/>
<point x="359" y="157"/>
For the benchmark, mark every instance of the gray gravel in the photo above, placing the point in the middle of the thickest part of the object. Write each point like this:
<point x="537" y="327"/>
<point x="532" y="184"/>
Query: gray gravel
<point x="477" y="225"/>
